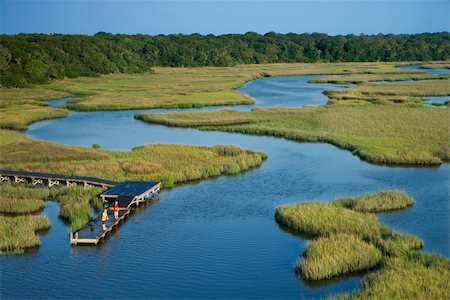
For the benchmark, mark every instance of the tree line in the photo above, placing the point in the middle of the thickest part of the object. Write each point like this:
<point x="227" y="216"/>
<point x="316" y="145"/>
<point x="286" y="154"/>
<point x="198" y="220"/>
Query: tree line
<point x="27" y="59"/>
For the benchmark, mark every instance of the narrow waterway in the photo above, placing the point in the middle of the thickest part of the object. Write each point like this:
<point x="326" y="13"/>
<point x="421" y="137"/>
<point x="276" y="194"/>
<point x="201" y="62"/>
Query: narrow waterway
<point x="218" y="238"/>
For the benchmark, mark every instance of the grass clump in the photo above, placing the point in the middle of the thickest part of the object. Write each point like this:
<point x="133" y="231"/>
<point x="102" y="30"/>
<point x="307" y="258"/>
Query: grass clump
<point x="404" y="274"/>
<point x="397" y="244"/>
<point x="19" y="233"/>
<point x="336" y="255"/>
<point x="324" y="219"/>
<point x="381" y="201"/>
<point x="18" y="199"/>
<point x="75" y="206"/>
<point x="416" y="276"/>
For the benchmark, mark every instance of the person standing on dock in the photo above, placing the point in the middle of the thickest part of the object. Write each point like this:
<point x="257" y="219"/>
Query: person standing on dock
<point x="104" y="219"/>
<point x="116" y="210"/>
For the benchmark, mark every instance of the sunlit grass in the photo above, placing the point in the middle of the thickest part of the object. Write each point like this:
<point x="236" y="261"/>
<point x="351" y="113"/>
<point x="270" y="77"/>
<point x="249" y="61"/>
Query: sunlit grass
<point x="19" y="233"/>
<point x="416" y="276"/>
<point x="169" y="164"/>
<point x="393" y="134"/>
<point x="335" y="255"/>
<point x="20" y="199"/>
<point x="402" y="271"/>
<point x="163" y="88"/>
<point x="364" y="78"/>
<point x="396" y="93"/>
<point x="381" y="201"/>
<point x="75" y="206"/>
<point x="324" y="219"/>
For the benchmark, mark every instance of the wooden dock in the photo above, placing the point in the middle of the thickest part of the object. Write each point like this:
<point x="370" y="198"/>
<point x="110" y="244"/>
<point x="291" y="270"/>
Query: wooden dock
<point x="128" y="195"/>
<point x="53" y="180"/>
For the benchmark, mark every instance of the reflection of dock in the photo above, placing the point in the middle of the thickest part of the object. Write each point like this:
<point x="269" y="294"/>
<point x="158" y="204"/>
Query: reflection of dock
<point x="52" y="179"/>
<point x="127" y="194"/>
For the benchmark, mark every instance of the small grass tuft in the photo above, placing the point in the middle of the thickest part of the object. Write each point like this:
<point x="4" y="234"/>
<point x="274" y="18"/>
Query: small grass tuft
<point x="382" y="201"/>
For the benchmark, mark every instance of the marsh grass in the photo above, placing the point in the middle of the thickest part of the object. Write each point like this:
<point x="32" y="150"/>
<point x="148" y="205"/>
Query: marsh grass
<point x="381" y="201"/>
<point x="404" y="273"/>
<point x="324" y="219"/>
<point x="75" y="206"/>
<point x="395" y="134"/>
<point x="163" y="88"/>
<point x="392" y="93"/>
<point x="19" y="199"/>
<point x="169" y="164"/>
<point x="396" y="244"/>
<point x="19" y="233"/>
<point x="414" y="276"/>
<point x="335" y="255"/>
<point x="364" y="78"/>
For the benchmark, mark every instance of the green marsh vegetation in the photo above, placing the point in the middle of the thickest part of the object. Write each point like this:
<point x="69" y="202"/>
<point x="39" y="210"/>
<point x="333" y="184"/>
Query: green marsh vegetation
<point x="413" y="276"/>
<point x="76" y="203"/>
<point x="19" y="232"/>
<point x="22" y="200"/>
<point x="337" y="254"/>
<point x="405" y="93"/>
<point x="364" y="78"/>
<point x="381" y="201"/>
<point x="348" y="239"/>
<point x="384" y="134"/>
<point x="162" y="88"/>
<point x="170" y="164"/>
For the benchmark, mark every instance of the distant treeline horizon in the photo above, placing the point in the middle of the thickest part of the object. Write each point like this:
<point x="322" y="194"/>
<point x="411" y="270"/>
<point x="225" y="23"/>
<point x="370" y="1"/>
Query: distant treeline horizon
<point x="27" y="59"/>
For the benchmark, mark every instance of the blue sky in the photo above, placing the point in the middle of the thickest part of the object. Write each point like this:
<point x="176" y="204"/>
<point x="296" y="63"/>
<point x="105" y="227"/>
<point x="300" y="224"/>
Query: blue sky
<point x="220" y="17"/>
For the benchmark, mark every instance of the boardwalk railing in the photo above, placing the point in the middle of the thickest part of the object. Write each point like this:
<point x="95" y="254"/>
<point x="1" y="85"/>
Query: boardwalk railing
<point x="53" y="179"/>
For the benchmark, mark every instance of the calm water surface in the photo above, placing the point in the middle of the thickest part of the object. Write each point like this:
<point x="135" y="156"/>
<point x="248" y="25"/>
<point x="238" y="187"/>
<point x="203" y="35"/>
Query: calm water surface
<point x="218" y="238"/>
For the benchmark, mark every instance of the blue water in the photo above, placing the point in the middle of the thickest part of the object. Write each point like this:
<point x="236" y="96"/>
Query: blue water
<point x="218" y="238"/>
<point x="430" y="100"/>
<point x="427" y="71"/>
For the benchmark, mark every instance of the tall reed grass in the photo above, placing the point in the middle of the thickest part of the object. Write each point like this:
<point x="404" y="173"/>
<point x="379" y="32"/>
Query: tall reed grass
<point x="415" y="276"/>
<point x="19" y="233"/>
<point x="20" y="199"/>
<point x="381" y="201"/>
<point x="396" y="134"/>
<point x="335" y="255"/>
<point x="324" y="220"/>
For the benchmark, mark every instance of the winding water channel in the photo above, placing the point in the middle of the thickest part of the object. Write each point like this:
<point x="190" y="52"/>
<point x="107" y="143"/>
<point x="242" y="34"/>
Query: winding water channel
<point x="218" y="238"/>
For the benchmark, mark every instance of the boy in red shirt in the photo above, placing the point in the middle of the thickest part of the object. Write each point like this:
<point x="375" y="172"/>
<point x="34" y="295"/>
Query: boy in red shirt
<point x="116" y="210"/>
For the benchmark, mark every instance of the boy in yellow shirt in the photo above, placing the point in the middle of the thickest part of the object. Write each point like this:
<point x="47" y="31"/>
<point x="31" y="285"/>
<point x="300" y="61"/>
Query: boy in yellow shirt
<point x="104" y="219"/>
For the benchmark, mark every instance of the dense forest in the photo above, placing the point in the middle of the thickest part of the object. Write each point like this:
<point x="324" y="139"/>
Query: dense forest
<point x="27" y="59"/>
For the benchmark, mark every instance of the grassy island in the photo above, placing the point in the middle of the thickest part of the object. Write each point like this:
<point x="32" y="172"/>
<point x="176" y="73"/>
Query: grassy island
<point x="382" y="201"/>
<point x="18" y="233"/>
<point x="385" y="134"/>
<point x="348" y="239"/>
<point x="335" y="255"/>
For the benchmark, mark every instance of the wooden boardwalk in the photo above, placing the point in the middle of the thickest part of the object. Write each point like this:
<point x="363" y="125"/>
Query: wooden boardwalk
<point x="93" y="232"/>
<point x="128" y="194"/>
<point x="52" y="180"/>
